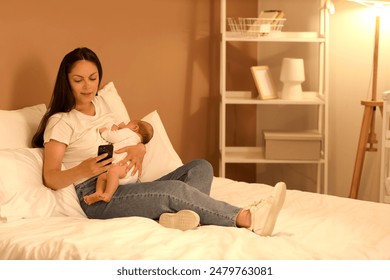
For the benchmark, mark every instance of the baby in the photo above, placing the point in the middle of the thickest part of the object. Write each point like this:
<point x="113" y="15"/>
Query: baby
<point x="122" y="135"/>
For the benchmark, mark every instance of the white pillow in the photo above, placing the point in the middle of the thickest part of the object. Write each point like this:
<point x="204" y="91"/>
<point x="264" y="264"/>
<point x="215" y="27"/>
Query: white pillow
<point x="68" y="203"/>
<point x="19" y="126"/>
<point x="22" y="193"/>
<point x="161" y="158"/>
<point x="114" y="101"/>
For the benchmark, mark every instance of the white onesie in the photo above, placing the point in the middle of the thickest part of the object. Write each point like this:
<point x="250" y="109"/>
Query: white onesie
<point x="122" y="138"/>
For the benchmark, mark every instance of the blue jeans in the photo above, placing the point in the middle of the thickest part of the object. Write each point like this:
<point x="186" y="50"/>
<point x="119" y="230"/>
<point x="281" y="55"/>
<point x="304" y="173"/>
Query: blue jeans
<point x="187" y="187"/>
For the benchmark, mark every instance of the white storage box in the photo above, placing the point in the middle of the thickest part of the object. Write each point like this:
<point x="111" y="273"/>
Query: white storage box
<point x="292" y="145"/>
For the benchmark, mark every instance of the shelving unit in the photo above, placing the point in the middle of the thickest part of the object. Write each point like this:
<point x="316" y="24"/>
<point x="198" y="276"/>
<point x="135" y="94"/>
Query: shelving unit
<point x="317" y="99"/>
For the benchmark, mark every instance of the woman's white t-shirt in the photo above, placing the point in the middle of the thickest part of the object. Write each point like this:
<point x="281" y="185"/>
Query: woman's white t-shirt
<point x="79" y="132"/>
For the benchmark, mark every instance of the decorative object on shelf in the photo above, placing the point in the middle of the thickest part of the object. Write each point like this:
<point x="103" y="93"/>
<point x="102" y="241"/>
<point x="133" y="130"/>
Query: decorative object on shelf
<point x="367" y="138"/>
<point x="289" y="145"/>
<point x="292" y="75"/>
<point x="267" y="22"/>
<point x="264" y="82"/>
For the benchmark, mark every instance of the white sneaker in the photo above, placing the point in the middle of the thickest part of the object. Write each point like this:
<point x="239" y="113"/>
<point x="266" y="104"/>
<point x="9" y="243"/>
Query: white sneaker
<point x="183" y="220"/>
<point x="265" y="212"/>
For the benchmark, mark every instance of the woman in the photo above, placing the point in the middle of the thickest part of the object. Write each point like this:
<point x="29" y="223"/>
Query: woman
<point x="69" y="135"/>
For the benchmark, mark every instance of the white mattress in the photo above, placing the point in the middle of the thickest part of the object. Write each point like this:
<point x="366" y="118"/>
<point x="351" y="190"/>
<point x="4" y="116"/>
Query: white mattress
<point x="310" y="226"/>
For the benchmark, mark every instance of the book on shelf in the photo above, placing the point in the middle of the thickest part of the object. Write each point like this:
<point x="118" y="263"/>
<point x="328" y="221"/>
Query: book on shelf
<point x="271" y="14"/>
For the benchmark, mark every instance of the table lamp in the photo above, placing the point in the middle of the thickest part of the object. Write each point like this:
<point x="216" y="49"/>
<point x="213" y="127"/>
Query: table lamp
<point x="292" y="75"/>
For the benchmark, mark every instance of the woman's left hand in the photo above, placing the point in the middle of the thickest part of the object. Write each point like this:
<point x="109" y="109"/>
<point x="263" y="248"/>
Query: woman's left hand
<point x="135" y="157"/>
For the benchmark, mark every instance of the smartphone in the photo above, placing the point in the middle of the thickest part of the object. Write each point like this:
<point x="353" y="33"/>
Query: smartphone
<point x="106" y="149"/>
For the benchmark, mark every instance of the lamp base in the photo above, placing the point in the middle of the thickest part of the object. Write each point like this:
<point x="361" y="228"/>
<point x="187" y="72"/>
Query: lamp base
<point x="292" y="91"/>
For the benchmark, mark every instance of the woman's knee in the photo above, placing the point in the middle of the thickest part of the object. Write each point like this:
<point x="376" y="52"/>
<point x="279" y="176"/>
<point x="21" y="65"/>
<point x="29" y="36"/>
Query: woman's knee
<point x="204" y="166"/>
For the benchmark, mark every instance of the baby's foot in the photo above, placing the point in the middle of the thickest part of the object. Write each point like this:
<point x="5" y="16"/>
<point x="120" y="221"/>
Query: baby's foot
<point x="92" y="198"/>
<point x="105" y="197"/>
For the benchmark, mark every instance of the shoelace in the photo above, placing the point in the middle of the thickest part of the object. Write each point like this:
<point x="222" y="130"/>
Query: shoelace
<point x="255" y="206"/>
<point x="260" y="203"/>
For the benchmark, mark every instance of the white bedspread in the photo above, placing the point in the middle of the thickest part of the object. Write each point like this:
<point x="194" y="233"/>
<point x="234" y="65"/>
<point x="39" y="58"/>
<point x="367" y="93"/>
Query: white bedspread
<point x="310" y="226"/>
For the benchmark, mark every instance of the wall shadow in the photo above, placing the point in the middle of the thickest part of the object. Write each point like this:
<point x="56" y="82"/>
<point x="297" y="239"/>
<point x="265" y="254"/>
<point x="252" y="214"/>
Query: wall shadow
<point x="202" y="122"/>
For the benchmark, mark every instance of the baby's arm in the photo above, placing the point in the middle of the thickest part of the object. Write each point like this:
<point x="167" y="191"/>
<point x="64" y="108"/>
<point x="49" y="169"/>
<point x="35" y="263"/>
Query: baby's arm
<point x="105" y="132"/>
<point x="121" y="125"/>
<point x="115" y="136"/>
<point x="115" y="127"/>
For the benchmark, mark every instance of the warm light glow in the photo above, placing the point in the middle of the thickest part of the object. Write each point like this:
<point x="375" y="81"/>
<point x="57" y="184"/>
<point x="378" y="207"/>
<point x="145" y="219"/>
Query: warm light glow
<point x="376" y="4"/>
<point x="378" y="8"/>
<point x="330" y="6"/>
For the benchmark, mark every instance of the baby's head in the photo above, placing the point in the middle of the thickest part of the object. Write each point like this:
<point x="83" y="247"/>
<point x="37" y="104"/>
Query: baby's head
<point x="144" y="129"/>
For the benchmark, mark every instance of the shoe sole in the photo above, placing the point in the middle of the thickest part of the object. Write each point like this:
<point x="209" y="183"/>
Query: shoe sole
<point x="183" y="220"/>
<point x="279" y="195"/>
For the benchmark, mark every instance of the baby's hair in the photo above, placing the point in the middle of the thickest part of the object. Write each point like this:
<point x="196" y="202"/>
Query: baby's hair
<point x="146" y="131"/>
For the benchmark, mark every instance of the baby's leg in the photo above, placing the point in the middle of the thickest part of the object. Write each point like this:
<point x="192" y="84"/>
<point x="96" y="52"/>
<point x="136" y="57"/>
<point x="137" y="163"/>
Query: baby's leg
<point x="115" y="173"/>
<point x="100" y="187"/>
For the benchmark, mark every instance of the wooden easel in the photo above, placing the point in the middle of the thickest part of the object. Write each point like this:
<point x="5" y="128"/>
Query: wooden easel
<point x="367" y="138"/>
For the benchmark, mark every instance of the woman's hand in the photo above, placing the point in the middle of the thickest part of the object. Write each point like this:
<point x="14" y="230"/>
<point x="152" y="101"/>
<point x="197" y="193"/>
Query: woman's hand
<point x="56" y="178"/>
<point x="95" y="166"/>
<point x="135" y="155"/>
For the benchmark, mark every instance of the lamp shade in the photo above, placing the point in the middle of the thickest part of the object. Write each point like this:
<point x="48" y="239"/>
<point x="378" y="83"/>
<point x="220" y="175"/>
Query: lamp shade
<point x="292" y="70"/>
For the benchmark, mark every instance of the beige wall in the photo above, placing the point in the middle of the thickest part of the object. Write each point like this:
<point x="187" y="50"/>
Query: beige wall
<point x="161" y="55"/>
<point x="164" y="55"/>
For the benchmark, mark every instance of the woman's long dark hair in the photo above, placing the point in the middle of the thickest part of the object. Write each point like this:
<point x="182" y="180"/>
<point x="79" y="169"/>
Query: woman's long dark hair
<point x="62" y="99"/>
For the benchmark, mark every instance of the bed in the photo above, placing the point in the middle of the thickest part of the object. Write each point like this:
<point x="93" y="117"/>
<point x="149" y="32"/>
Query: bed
<point x="41" y="224"/>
